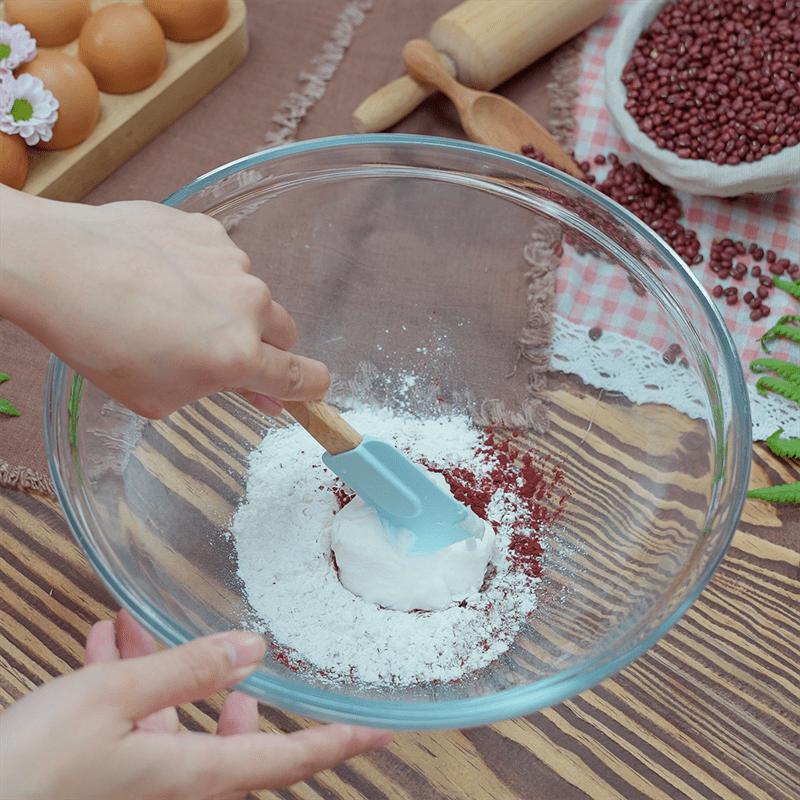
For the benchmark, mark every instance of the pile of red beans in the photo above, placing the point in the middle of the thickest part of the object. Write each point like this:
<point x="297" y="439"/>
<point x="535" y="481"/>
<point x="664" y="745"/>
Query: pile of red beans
<point x="718" y="80"/>
<point x="655" y="204"/>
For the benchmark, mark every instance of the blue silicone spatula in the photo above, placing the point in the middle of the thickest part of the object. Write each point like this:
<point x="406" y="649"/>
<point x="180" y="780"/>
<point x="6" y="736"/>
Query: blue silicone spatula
<point x="401" y="492"/>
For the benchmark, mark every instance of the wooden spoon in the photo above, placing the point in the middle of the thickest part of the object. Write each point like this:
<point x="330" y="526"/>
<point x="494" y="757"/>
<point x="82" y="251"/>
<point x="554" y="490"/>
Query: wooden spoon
<point x="486" y="117"/>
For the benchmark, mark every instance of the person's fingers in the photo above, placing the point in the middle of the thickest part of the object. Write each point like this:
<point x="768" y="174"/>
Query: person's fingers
<point x="132" y="639"/>
<point x="187" y="673"/>
<point x="239" y="715"/>
<point x="268" y="405"/>
<point x="287" y="376"/>
<point x="231" y="766"/>
<point x="272" y="761"/>
<point x="134" y="642"/>
<point x="277" y="327"/>
<point x="101" y="643"/>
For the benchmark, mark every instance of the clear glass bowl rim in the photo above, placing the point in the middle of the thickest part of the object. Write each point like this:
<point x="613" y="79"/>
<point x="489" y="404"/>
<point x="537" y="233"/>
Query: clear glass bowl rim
<point x="327" y="706"/>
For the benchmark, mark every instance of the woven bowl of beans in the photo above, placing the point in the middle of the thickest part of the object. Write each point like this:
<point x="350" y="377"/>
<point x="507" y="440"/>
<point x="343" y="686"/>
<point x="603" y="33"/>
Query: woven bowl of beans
<point x="707" y="95"/>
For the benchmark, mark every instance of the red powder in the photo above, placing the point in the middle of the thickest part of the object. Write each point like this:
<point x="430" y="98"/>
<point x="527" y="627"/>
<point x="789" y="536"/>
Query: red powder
<point x="516" y="474"/>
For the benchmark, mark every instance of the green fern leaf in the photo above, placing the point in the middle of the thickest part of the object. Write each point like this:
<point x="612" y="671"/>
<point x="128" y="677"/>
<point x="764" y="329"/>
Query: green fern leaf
<point x="785" y="368"/>
<point x="8" y="408"/>
<point x="793" y="287"/>
<point x="787" y="327"/>
<point x="783" y="448"/>
<point x="4" y="377"/>
<point x="791" y="391"/>
<point x="783" y="493"/>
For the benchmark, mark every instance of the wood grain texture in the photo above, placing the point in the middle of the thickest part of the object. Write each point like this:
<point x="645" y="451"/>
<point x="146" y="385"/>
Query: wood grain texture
<point x="325" y="425"/>
<point x="710" y="711"/>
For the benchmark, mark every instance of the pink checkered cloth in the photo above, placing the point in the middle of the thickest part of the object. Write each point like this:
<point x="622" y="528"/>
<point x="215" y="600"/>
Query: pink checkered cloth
<point x="773" y="221"/>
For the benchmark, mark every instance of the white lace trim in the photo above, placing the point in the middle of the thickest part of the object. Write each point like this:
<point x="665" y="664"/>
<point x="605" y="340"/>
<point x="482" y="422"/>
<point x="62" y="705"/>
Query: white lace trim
<point x="770" y="412"/>
<point x="616" y="363"/>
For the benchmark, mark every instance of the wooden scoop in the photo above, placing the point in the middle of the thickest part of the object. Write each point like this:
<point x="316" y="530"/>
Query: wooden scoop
<point x="486" y="117"/>
<point x="399" y="490"/>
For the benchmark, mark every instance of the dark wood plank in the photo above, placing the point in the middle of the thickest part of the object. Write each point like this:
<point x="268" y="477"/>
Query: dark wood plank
<point x="710" y="711"/>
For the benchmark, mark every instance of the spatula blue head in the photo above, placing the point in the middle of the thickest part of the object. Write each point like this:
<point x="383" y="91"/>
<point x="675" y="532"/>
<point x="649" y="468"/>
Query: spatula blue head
<point x="402" y="492"/>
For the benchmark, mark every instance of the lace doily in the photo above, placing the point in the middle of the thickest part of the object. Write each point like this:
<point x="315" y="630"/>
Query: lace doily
<point x="616" y="363"/>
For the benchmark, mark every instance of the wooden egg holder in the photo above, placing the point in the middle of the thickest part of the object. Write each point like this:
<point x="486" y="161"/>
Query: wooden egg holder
<point x="129" y="121"/>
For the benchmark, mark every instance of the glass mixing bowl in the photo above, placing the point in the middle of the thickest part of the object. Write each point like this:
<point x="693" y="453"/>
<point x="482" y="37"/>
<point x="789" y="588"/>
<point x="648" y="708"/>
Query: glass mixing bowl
<point x="513" y="294"/>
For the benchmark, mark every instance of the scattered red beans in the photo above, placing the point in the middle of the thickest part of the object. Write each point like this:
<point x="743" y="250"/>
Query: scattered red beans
<point x="655" y="204"/>
<point x="659" y="207"/>
<point x="718" y="81"/>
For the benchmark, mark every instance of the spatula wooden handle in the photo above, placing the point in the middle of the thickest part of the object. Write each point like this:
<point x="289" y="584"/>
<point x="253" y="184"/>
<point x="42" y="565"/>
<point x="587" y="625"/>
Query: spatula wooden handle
<point x="324" y="424"/>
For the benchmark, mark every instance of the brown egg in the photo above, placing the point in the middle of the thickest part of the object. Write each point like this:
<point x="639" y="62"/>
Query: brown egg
<point x="76" y="91"/>
<point x="51" y="22"/>
<point x="184" y="21"/>
<point x="14" y="160"/>
<point x="124" y="48"/>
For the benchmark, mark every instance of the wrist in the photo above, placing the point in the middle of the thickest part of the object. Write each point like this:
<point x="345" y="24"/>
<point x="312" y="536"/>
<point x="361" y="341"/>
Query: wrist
<point x="30" y="231"/>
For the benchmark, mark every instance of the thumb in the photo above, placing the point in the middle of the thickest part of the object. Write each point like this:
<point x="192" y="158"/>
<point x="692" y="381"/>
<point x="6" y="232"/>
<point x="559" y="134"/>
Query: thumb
<point x="187" y="673"/>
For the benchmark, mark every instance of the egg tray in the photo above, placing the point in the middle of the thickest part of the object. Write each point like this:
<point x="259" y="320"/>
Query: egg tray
<point x="129" y="121"/>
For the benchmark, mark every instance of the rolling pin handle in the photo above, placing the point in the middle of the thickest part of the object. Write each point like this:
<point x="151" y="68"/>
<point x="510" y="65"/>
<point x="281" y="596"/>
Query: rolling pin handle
<point x="396" y="100"/>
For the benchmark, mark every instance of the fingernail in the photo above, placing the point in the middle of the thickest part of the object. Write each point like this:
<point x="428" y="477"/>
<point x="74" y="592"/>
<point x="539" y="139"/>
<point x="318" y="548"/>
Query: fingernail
<point x="269" y="405"/>
<point x="244" y="648"/>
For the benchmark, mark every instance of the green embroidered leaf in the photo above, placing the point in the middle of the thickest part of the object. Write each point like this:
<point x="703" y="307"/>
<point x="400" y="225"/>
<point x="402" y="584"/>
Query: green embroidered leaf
<point x="787" y="327"/>
<point x="4" y="377"/>
<point x="783" y="493"/>
<point x="783" y="448"/>
<point x="793" y="287"/>
<point x="789" y="390"/>
<point x="785" y="368"/>
<point x="8" y="408"/>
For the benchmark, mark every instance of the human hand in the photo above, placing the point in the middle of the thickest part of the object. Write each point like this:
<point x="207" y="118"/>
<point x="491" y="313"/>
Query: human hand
<point x="107" y="731"/>
<point x="153" y="305"/>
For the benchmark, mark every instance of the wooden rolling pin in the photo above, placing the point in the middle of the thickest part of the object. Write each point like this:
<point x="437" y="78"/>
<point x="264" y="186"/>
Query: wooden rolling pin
<point x="483" y="43"/>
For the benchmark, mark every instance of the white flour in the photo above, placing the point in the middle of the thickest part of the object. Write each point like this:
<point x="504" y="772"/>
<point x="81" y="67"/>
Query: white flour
<point x="282" y="537"/>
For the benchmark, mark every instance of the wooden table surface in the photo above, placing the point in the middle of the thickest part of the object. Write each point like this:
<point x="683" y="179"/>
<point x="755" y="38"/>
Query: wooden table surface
<point x="711" y="711"/>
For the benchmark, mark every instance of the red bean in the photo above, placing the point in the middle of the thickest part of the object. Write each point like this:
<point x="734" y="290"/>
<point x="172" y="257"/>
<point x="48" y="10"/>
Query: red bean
<point x="723" y="91"/>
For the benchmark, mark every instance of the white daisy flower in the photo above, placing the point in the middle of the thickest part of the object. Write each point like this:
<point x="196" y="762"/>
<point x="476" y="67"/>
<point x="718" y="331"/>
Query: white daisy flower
<point x="16" y="47"/>
<point x="27" y="108"/>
